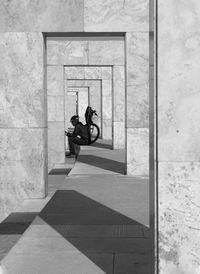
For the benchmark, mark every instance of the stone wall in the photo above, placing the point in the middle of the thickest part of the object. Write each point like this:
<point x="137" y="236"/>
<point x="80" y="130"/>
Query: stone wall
<point x="178" y="136"/>
<point x="78" y="16"/>
<point x="22" y="125"/>
<point x="55" y="115"/>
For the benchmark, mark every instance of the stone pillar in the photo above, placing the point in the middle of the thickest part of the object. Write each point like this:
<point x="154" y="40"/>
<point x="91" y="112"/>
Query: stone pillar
<point x="23" y="155"/>
<point x="178" y="137"/>
<point x="56" y="127"/>
<point x="118" y="107"/>
<point x="137" y="98"/>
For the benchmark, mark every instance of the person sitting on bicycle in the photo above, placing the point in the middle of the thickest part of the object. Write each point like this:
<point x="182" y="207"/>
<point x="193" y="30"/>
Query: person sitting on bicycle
<point x="79" y="136"/>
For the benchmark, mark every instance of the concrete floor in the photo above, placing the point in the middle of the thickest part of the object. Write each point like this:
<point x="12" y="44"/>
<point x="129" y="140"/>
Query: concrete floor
<point x="95" y="220"/>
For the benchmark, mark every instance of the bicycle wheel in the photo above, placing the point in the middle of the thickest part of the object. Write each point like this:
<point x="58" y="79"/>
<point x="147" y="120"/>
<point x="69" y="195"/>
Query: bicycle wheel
<point x="94" y="133"/>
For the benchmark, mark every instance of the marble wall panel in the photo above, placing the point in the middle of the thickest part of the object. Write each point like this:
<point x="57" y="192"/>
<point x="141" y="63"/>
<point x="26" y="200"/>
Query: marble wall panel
<point x="178" y="131"/>
<point x="138" y="151"/>
<point x="118" y="135"/>
<point x="179" y="94"/>
<point x="41" y="16"/>
<point x="74" y="72"/>
<point x="137" y="48"/>
<point x="179" y="228"/>
<point x="138" y="106"/>
<point x="92" y="72"/>
<point x="22" y="169"/>
<point x="22" y="153"/>
<point x="106" y="52"/>
<point x="116" y="15"/>
<point x="82" y="104"/>
<point x="119" y="93"/>
<point x="21" y="83"/>
<point x="107" y="72"/>
<point x="107" y="109"/>
<point x="56" y="144"/>
<point x="107" y="132"/>
<point x="67" y="52"/>
<point x="55" y="84"/>
<point x="56" y="108"/>
<point x="70" y="107"/>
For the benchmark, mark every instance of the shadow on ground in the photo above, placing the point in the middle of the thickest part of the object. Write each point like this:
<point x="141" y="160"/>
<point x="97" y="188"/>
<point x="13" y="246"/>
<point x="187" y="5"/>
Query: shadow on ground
<point x="111" y="240"/>
<point x="12" y="228"/>
<point x="104" y="163"/>
<point x="101" y="145"/>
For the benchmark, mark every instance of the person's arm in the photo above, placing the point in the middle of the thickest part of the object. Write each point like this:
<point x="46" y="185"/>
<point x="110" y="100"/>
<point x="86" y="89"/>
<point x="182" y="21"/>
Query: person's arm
<point x="71" y="134"/>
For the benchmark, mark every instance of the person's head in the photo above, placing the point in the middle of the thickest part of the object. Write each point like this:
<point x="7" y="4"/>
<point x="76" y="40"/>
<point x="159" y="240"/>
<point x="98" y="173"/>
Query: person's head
<point x="74" y="120"/>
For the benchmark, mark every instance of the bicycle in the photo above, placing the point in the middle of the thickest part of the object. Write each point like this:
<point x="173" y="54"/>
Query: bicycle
<point x="93" y="129"/>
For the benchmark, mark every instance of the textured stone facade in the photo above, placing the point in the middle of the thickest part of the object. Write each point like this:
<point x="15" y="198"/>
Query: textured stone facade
<point x="22" y="124"/>
<point x="178" y="137"/>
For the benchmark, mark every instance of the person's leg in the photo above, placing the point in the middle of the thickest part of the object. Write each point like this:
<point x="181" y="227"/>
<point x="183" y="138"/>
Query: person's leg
<point x="71" y="145"/>
<point x="75" y="140"/>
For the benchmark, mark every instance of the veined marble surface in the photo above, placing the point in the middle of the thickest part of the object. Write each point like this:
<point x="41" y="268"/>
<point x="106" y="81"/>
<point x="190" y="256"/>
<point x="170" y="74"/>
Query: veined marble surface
<point x="118" y="135"/>
<point x="85" y="52"/>
<point x="67" y="52"/>
<point x="55" y="83"/>
<point x="116" y="15"/>
<point x="70" y="105"/>
<point x="21" y="83"/>
<point x="55" y="108"/>
<point x="56" y="143"/>
<point x="137" y="48"/>
<point x="119" y="93"/>
<point x="22" y="153"/>
<point x="106" y="52"/>
<point x="138" y="106"/>
<point x="55" y="114"/>
<point x="22" y="168"/>
<point x="179" y="215"/>
<point x="178" y="136"/>
<point x="138" y="151"/>
<point x="41" y="15"/>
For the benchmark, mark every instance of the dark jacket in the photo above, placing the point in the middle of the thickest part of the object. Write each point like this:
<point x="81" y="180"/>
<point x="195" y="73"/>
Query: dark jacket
<point x="80" y="130"/>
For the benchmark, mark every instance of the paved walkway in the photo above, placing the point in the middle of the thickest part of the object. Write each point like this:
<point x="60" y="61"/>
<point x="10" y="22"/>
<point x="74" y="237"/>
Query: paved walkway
<point x="94" y="221"/>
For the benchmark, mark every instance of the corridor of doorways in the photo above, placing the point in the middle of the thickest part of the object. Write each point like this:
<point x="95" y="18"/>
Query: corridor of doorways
<point x="105" y="82"/>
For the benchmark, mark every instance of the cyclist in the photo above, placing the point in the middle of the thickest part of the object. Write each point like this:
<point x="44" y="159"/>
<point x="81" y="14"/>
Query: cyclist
<point x="80" y="135"/>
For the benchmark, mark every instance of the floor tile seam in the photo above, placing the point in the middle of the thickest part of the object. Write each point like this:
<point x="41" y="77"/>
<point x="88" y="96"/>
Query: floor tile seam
<point x="83" y="237"/>
<point x="82" y="252"/>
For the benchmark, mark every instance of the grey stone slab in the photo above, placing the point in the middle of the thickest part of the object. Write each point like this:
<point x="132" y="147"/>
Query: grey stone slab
<point x="96" y="245"/>
<point x="42" y="15"/>
<point x="6" y="243"/>
<point x="112" y="245"/>
<point x="58" y="262"/>
<point x="132" y="263"/>
<point x="116" y="15"/>
<point x="87" y="231"/>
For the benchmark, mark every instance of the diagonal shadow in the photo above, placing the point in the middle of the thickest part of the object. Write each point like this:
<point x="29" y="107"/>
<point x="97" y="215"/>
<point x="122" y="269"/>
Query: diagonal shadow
<point x="102" y="234"/>
<point x="104" y="163"/>
<point x="12" y="228"/>
<point x="102" y="145"/>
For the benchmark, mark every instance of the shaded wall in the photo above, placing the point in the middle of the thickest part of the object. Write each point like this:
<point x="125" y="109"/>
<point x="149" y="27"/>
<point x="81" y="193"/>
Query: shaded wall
<point x="178" y="136"/>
